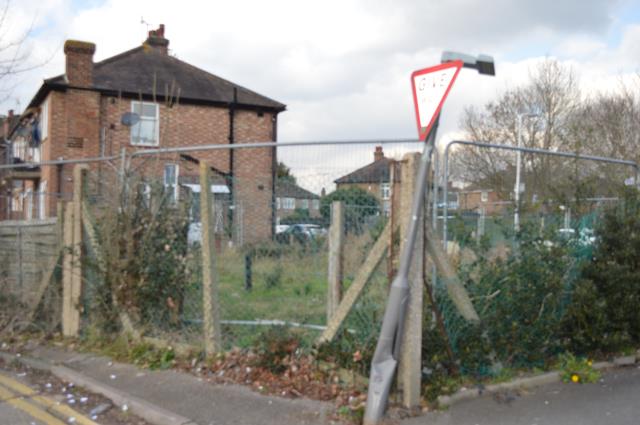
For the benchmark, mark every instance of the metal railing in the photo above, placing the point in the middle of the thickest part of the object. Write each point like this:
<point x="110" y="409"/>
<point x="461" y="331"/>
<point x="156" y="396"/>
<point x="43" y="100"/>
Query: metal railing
<point x="520" y="149"/>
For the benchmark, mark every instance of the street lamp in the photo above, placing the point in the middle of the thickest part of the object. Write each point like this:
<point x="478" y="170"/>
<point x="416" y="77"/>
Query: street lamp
<point x="482" y="63"/>
<point x="516" y="215"/>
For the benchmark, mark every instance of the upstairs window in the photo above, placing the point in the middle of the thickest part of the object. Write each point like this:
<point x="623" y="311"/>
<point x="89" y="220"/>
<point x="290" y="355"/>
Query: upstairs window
<point x="146" y="131"/>
<point x="304" y="204"/>
<point x="385" y="191"/>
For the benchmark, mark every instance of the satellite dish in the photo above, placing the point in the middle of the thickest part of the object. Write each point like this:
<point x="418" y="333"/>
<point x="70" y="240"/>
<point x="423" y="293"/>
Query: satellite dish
<point x="129" y="119"/>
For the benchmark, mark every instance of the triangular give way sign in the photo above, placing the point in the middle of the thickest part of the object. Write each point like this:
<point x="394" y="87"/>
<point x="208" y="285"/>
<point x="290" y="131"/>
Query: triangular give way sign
<point x="430" y="88"/>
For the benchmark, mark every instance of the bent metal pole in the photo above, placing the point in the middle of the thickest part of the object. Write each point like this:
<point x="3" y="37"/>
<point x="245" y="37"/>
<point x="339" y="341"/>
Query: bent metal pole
<point x="385" y="358"/>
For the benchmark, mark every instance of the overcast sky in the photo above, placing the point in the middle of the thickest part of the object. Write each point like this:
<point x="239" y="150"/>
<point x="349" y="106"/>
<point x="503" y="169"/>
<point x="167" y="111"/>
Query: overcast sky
<point x="342" y="67"/>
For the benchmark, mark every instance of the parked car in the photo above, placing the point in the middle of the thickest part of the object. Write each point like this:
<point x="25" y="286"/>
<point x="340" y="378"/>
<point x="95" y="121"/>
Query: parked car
<point x="301" y="233"/>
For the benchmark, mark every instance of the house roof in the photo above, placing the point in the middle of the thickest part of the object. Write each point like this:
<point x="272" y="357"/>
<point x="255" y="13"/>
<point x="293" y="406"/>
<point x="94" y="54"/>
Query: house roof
<point x="149" y="73"/>
<point x="376" y="172"/>
<point x="286" y="189"/>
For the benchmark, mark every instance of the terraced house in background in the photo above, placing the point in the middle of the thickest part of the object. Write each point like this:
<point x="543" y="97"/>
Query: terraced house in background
<point x="79" y="115"/>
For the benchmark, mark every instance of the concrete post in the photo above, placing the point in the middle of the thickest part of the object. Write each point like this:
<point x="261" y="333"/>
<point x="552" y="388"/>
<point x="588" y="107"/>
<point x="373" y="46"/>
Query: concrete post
<point x="409" y="374"/>
<point x="336" y="248"/>
<point x="72" y="263"/>
<point x="210" y="300"/>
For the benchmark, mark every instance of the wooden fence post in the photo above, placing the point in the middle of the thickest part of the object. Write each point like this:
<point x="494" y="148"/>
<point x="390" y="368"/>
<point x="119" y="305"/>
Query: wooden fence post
<point x="210" y="301"/>
<point x="72" y="262"/>
<point x="336" y="251"/>
<point x="409" y="374"/>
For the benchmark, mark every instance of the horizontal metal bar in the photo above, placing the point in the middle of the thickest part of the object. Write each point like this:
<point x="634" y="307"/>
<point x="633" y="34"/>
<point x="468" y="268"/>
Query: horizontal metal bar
<point x="543" y="152"/>
<point x="184" y="149"/>
<point x="269" y="145"/>
<point x="57" y="162"/>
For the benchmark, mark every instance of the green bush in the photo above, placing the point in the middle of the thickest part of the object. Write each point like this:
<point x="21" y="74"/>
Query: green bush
<point x="604" y="315"/>
<point x="359" y="204"/>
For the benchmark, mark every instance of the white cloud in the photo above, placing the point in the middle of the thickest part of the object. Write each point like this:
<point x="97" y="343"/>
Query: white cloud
<point x="343" y="66"/>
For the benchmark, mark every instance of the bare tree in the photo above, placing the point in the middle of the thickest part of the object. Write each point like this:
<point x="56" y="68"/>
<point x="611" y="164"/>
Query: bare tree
<point x="552" y="94"/>
<point x="15" y="54"/>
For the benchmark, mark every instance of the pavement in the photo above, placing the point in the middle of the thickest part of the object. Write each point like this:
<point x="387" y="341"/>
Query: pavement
<point x="614" y="400"/>
<point x="177" y="398"/>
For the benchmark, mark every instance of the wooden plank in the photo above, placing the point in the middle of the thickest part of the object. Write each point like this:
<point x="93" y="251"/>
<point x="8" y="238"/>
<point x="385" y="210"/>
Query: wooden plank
<point x="410" y="362"/>
<point x="336" y="248"/>
<point x="210" y="301"/>
<point x="455" y="288"/>
<point x="355" y="290"/>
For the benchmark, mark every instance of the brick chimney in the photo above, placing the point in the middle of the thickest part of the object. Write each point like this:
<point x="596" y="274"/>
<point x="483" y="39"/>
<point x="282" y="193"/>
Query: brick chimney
<point x="6" y="124"/>
<point x="157" y="42"/>
<point x="79" y="62"/>
<point x="378" y="154"/>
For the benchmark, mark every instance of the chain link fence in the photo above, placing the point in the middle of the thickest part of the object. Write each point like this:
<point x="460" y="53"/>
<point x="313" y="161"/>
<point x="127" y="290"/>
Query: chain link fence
<point x="526" y="278"/>
<point x="270" y="237"/>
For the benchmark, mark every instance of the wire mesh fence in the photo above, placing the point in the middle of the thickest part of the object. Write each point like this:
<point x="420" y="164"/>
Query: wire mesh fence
<point x="527" y="268"/>
<point x="270" y="236"/>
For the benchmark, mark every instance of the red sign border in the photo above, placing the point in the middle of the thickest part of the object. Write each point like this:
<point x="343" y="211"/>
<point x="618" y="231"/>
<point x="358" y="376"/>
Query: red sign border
<point x="455" y="64"/>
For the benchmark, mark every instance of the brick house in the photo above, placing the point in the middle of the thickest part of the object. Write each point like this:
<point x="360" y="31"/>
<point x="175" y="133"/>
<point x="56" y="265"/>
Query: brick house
<point x="375" y="178"/>
<point x="476" y="199"/>
<point x="291" y="197"/>
<point x="79" y="115"/>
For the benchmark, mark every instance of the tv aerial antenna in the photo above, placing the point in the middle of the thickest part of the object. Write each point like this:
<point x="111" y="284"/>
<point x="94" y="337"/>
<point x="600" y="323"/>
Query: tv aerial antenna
<point x="143" y="22"/>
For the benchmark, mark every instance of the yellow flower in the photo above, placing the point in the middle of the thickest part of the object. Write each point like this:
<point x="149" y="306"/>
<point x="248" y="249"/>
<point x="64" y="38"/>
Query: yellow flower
<point x="589" y="363"/>
<point x="575" y="378"/>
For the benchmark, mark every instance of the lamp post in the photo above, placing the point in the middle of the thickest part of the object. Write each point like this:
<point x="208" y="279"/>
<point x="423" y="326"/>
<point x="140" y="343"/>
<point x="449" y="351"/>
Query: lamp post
<point x="516" y="215"/>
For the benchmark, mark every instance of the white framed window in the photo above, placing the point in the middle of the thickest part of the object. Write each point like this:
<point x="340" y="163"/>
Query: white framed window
<point x="304" y="204"/>
<point x="289" y="203"/>
<point x="484" y="196"/>
<point x="278" y="203"/>
<point x="146" y="132"/>
<point x="385" y="191"/>
<point x="44" y="120"/>
<point x="42" y="200"/>
<point x="315" y="204"/>
<point x="171" y="172"/>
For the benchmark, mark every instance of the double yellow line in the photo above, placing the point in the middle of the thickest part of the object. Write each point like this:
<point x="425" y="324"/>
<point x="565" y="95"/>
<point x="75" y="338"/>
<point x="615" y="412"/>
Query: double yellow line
<point x="26" y="399"/>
